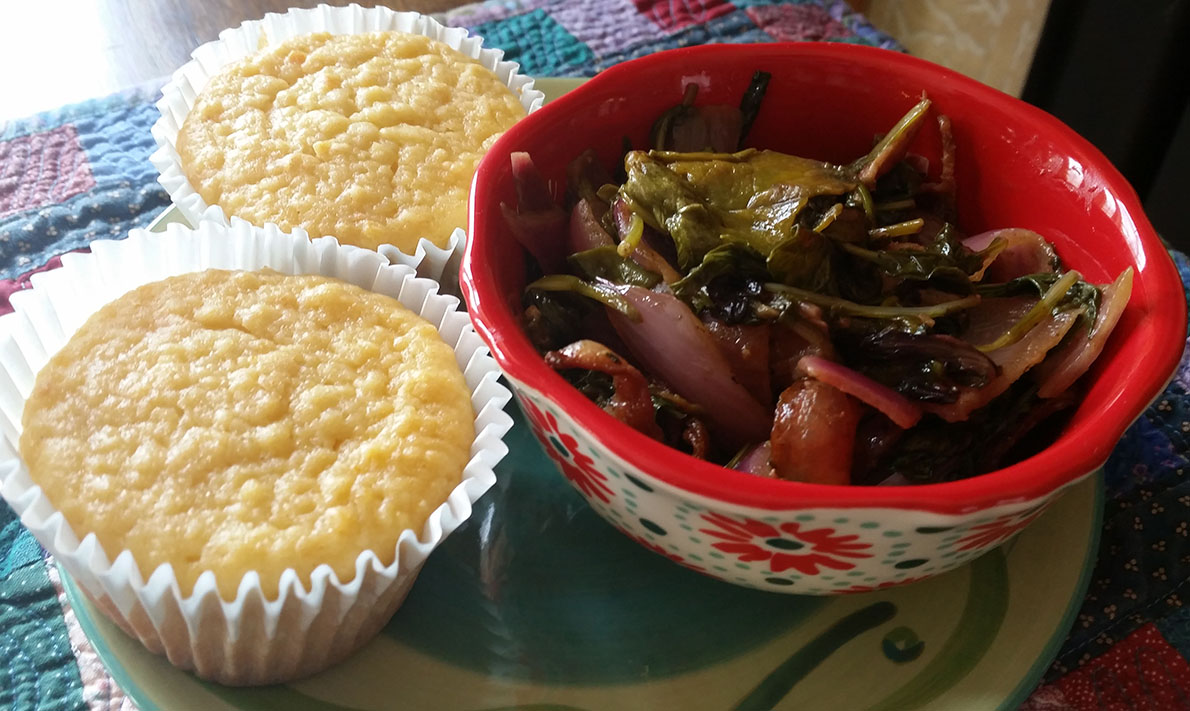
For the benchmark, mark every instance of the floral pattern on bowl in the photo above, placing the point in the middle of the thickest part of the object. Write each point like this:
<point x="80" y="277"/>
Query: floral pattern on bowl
<point x="811" y="551"/>
<point x="804" y="537"/>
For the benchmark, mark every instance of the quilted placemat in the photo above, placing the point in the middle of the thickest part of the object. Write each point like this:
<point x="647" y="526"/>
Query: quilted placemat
<point x="81" y="173"/>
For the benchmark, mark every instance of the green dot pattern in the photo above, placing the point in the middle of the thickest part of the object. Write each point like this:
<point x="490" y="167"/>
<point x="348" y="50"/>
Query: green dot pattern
<point x="884" y="541"/>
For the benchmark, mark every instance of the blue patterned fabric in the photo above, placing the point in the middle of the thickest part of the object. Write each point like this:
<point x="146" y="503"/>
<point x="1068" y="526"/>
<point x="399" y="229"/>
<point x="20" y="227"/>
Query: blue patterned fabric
<point x="37" y="664"/>
<point x="113" y="136"/>
<point x="81" y="173"/>
<point x="1144" y="551"/>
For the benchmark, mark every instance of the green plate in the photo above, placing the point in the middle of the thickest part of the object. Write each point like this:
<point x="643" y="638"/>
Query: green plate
<point x="537" y="604"/>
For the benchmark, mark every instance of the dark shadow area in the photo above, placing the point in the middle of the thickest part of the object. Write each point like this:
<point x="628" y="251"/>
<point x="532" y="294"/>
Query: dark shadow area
<point x="1116" y="73"/>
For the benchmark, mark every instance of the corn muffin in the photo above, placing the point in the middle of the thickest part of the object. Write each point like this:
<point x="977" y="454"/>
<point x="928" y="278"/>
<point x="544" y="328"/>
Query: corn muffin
<point x="249" y="421"/>
<point x="372" y="138"/>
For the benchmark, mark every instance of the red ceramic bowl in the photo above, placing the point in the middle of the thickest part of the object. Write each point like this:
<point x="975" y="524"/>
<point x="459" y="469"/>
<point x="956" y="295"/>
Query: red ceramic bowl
<point x="1017" y="167"/>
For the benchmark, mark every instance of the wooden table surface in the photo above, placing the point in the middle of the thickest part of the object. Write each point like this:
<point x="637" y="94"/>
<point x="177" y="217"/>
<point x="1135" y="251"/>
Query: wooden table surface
<point x="54" y="52"/>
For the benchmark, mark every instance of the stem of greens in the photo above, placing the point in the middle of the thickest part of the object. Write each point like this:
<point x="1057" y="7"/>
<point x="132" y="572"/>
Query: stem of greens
<point x="853" y="309"/>
<point x="607" y="192"/>
<point x="908" y="122"/>
<point x="1049" y="301"/>
<point x="636" y="229"/>
<point x="865" y="199"/>
<point x="673" y="156"/>
<point x="905" y="204"/>
<point x="597" y="291"/>
<point x="829" y="216"/>
<point x="909" y="227"/>
<point x="750" y="103"/>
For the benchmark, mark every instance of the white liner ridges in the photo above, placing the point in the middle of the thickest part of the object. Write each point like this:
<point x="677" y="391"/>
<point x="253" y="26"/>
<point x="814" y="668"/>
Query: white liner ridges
<point x="178" y="95"/>
<point x="251" y="640"/>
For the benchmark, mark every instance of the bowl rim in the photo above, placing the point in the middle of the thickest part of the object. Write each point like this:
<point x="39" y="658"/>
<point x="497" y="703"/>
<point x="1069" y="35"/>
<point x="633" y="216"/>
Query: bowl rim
<point x="1034" y="478"/>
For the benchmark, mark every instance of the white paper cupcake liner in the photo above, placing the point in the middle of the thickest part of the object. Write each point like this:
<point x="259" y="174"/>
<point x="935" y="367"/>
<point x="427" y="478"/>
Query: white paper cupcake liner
<point x="236" y="43"/>
<point x="251" y="640"/>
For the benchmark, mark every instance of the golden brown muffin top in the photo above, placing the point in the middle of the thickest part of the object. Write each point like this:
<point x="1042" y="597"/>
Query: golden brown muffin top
<point x="372" y="138"/>
<point x="240" y="421"/>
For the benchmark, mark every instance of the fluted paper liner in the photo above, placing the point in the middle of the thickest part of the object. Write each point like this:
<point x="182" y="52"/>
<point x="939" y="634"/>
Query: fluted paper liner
<point x="251" y="640"/>
<point x="179" y="94"/>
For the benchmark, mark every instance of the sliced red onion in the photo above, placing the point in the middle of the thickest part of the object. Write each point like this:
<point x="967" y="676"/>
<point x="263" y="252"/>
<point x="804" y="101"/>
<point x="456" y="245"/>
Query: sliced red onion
<point x="542" y="234"/>
<point x="1073" y="358"/>
<point x="670" y="342"/>
<point x="993" y="316"/>
<point x="894" y="405"/>
<point x="532" y="191"/>
<point x="1013" y="361"/>
<point x="688" y="133"/>
<point x="715" y="128"/>
<point x="585" y="230"/>
<point x="746" y="347"/>
<point x="723" y="127"/>
<point x="756" y="461"/>
<point x="537" y="222"/>
<point x="1025" y="252"/>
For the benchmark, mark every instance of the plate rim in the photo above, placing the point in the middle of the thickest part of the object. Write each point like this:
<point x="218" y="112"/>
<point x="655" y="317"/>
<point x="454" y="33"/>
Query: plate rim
<point x="1032" y="678"/>
<point x="1026" y="685"/>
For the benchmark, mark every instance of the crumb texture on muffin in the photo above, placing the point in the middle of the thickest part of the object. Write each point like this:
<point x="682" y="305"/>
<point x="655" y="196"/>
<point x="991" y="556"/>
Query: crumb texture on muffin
<point x="249" y="421"/>
<point x="372" y="138"/>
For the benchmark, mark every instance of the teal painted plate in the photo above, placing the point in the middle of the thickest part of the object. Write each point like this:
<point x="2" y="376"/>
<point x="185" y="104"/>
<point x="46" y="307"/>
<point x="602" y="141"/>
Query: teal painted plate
<point x="537" y="604"/>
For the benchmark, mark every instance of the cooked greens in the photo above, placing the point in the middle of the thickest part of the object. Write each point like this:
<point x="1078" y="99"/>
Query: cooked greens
<point x="797" y="318"/>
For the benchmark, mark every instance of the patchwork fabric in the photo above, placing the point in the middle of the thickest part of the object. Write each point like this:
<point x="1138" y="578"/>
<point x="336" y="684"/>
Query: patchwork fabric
<point x="1141" y="671"/>
<point x="81" y="173"/>
<point x="786" y="23"/>
<point x="42" y="169"/>
<point x="91" y="178"/>
<point x="539" y="44"/>
<point x="673" y="17"/>
<point x="37" y="665"/>
<point x="542" y="34"/>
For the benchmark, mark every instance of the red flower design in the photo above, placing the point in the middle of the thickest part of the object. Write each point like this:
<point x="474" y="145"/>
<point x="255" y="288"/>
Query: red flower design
<point x="563" y="449"/>
<point x="881" y="586"/>
<point x="996" y="531"/>
<point x="787" y="546"/>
